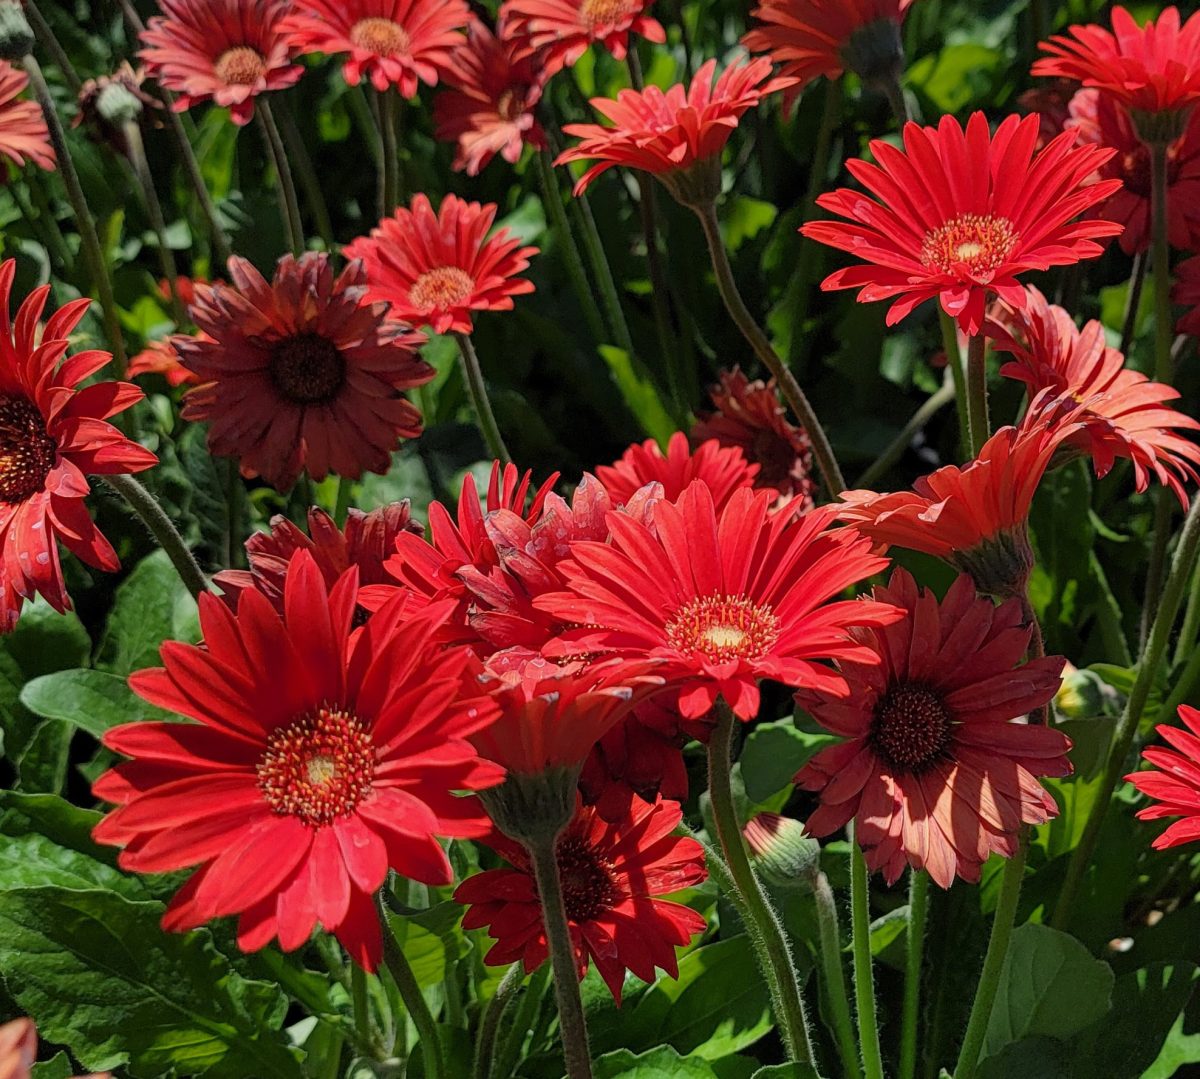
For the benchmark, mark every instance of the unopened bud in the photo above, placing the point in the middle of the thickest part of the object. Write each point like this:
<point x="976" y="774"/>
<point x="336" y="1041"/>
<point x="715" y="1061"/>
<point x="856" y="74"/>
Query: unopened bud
<point x="1085" y="695"/>
<point x="118" y="105"/>
<point x="16" y="36"/>
<point x="782" y="852"/>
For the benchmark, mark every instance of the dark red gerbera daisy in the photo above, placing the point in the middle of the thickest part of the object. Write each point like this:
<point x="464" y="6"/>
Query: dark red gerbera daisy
<point x="1174" y="780"/>
<point x="723" y="469"/>
<point x="1051" y="103"/>
<point x="933" y="771"/>
<point x="614" y="875"/>
<point x="319" y="759"/>
<point x="23" y="133"/>
<point x="559" y="32"/>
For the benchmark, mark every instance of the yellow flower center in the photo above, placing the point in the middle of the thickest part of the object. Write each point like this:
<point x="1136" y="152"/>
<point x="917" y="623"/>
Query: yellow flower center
<point x="723" y="628"/>
<point x="441" y="288"/>
<point x="240" y="66"/>
<point x="600" y="13"/>
<point x="380" y="36"/>
<point x="976" y="243"/>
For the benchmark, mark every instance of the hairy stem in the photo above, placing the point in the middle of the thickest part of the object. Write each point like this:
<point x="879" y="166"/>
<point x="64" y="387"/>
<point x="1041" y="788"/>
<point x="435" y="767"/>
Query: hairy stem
<point x="414" y="1000"/>
<point x="144" y="504"/>
<point x="918" y="912"/>
<point x="864" y="977"/>
<point x="835" y="976"/>
<point x="473" y="376"/>
<point x="289" y="203"/>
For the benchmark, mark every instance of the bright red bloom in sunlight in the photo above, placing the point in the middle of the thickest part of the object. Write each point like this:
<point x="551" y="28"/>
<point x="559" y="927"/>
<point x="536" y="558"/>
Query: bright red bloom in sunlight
<point x="559" y="32"/>
<point x="319" y="759"/>
<point x="1174" y="780"/>
<point x="960" y="215"/>
<point x="1187" y="293"/>
<point x="301" y="373"/>
<point x="613" y="877"/>
<point x="224" y="51"/>
<point x="750" y="416"/>
<point x="721" y="599"/>
<point x="1132" y="418"/>
<point x="491" y="106"/>
<point x="676" y="135"/>
<point x="723" y="469"/>
<point x="23" y="133"/>
<point x="399" y="43"/>
<point x="160" y="358"/>
<point x="53" y="434"/>
<point x="933" y="771"/>
<point x="436" y="268"/>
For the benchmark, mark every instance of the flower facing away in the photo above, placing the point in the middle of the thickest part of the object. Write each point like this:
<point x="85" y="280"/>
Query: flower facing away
<point x="1187" y="293"/>
<point x="437" y="268"/>
<point x="559" y="32"/>
<point x="723" y="469"/>
<point x="302" y="372"/>
<point x="933" y="771"/>
<point x="320" y="758"/>
<point x="399" y="43"/>
<point x="1174" y="780"/>
<point x="108" y="103"/>
<point x="676" y="135"/>
<point x="750" y="416"/>
<point x="53" y="434"/>
<point x="960" y="215"/>
<point x="721" y="599"/>
<point x="23" y="133"/>
<point x="224" y="51"/>
<point x="613" y="878"/>
<point x="490" y="106"/>
<point x="1130" y="413"/>
<point x="160" y="358"/>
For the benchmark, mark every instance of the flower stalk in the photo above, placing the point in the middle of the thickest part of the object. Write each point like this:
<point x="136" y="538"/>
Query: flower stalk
<point x="486" y="418"/>
<point x="493" y="1014"/>
<point x="414" y="1000"/>
<point x="978" y="421"/>
<point x="835" y="976"/>
<point x="289" y="205"/>
<point x="864" y="977"/>
<point x="918" y="913"/>
<point x="1164" y="330"/>
<point x="389" y="110"/>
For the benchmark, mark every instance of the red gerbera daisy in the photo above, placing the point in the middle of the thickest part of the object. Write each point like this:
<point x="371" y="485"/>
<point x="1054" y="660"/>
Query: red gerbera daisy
<point x="933" y="771"/>
<point x="559" y="32"/>
<point x="160" y="358"/>
<point x="1175" y="781"/>
<point x="1187" y="293"/>
<point x="319" y="759"/>
<point x="1133" y="422"/>
<point x="23" y="133"/>
<point x="397" y="43"/>
<point x="435" y="269"/>
<point x="301" y="373"/>
<point x="1051" y="103"/>
<point x="960" y="215"/>
<point x="750" y="416"/>
<point x="613" y="875"/>
<point x="53" y="433"/>
<point x="721" y="599"/>
<point x="491" y="106"/>
<point x="675" y="135"/>
<point x="224" y="51"/>
<point x="723" y="469"/>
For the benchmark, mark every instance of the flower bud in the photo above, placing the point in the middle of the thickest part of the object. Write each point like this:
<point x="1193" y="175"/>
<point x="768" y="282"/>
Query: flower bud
<point x="783" y="853"/>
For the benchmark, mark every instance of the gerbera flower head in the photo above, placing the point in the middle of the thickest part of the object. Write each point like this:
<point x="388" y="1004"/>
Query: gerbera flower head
<point x="721" y="598"/>
<point x="23" y="133"/>
<point x="108" y="103"/>
<point x="961" y="215"/>
<point x="933" y="771"/>
<point x="319" y="759"/>
<point x="749" y="415"/>
<point x="160" y="358"/>
<point x="53" y="434"/>
<point x="224" y="51"/>
<point x="399" y="43"/>
<point x="1153" y="70"/>
<point x="614" y="875"/>
<point x="1187" y="293"/>
<point x="490" y="105"/>
<point x="723" y="469"/>
<point x="1125" y="414"/>
<point x="302" y="372"/>
<point x="559" y="32"/>
<point x="437" y="268"/>
<point x="676" y="135"/>
<point x="1174" y="780"/>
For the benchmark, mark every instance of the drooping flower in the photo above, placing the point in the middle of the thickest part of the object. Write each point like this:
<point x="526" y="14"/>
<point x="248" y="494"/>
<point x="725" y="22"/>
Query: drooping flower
<point x="676" y="135"/>
<point x="559" y="32"/>
<point x="399" y="43"/>
<point x="108" y="103"/>
<point x="53" y="434"/>
<point x="721" y="599"/>
<point x="320" y="758"/>
<point x="723" y="469"/>
<point x="224" y="51"/>
<point x="1173" y="781"/>
<point x="958" y="216"/>
<point x="1187" y="294"/>
<point x="1131" y="416"/>
<point x="614" y="875"/>
<point x="302" y="372"/>
<point x="160" y="358"/>
<point x="436" y="268"/>
<point x="750" y="416"/>
<point x="933" y="771"/>
<point x="23" y="133"/>
<point x="490" y="105"/>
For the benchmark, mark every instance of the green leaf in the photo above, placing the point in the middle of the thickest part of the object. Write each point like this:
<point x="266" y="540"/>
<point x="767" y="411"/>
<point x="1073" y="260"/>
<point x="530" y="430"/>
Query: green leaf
<point x="1039" y="1057"/>
<point x="432" y="940"/>
<point x="30" y="861"/>
<point x="773" y="753"/>
<point x="660" y="1063"/>
<point x="743" y="218"/>
<point x="57" y="1067"/>
<point x="55" y="818"/>
<point x="97" y="974"/>
<point x="151" y="606"/>
<point x="93" y="701"/>
<point x="960" y="75"/>
<point x="787" y="1071"/>
<point x="639" y="393"/>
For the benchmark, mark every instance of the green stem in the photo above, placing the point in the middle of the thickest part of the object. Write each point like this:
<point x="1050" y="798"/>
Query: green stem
<point x="345" y="492"/>
<point x="593" y="247"/>
<point x="864" y="977"/>
<point x="978" y="422"/>
<point x="831" y="474"/>
<point x="389" y="102"/>
<point x="166" y="258"/>
<point x="473" y="376"/>
<point x="221" y="247"/>
<point x="1156" y="567"/>
<point x="518" y="1030"/>
<point x="414" y="1000"/>
<point x="51" y="44"/>
<point x="43" y="216"/>
<point x="489" y="1026"/>
<point x="1185" y="682"/>
<point x="359" y="1002"/>
<point x="1133" y="300"/>
<point x="895" y="449"/>
<point x="918" y="911"/>
<point x="894" y="92"/>
<point x="144" y="504"/>
<point x="762" y="922"/>
<point x="1145" y="675"/>
<point x="289" y="203"/>
<point x="1185" y="645"/>
<point x="835" y="976"/>
<point x="958" y="376"/>
<point x="234" y="497"/>
<point x="1164" y="329"/>
<point x="309" y="180"/>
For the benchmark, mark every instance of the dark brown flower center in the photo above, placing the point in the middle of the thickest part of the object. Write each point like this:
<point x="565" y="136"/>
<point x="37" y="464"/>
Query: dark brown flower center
<point x="240" y="66"/>
<point x="318" y="768"/>
<point x="380" y="36"/>
<point x="912" y="727"/>
<point x="587" y="880"/>
<point x="27" y="452"/>
<point x="441" y="288"/>
<point x="977" y="242"/>
<point x="723" y="628"/>
<point x="307" y="369"/>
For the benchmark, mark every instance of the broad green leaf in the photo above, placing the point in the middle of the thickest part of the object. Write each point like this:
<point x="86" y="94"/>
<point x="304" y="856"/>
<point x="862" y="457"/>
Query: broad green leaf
<point x="743" y="218"/>
<point x="93" y="701"/>
<point x="151" y="606"/>
<point x="773" y="753"/>
<point x="1038" y="1057"/>
<point x="432" y="940"/>
<point x="960" y="75"/>
<point x="55" y="818"/>
<point x="57" y="1067"/>
<point x="787" y="1071"/>
<point x="661" y="1063"/>
<point x="31" y="861"/>
<point x="639" y="393"/>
